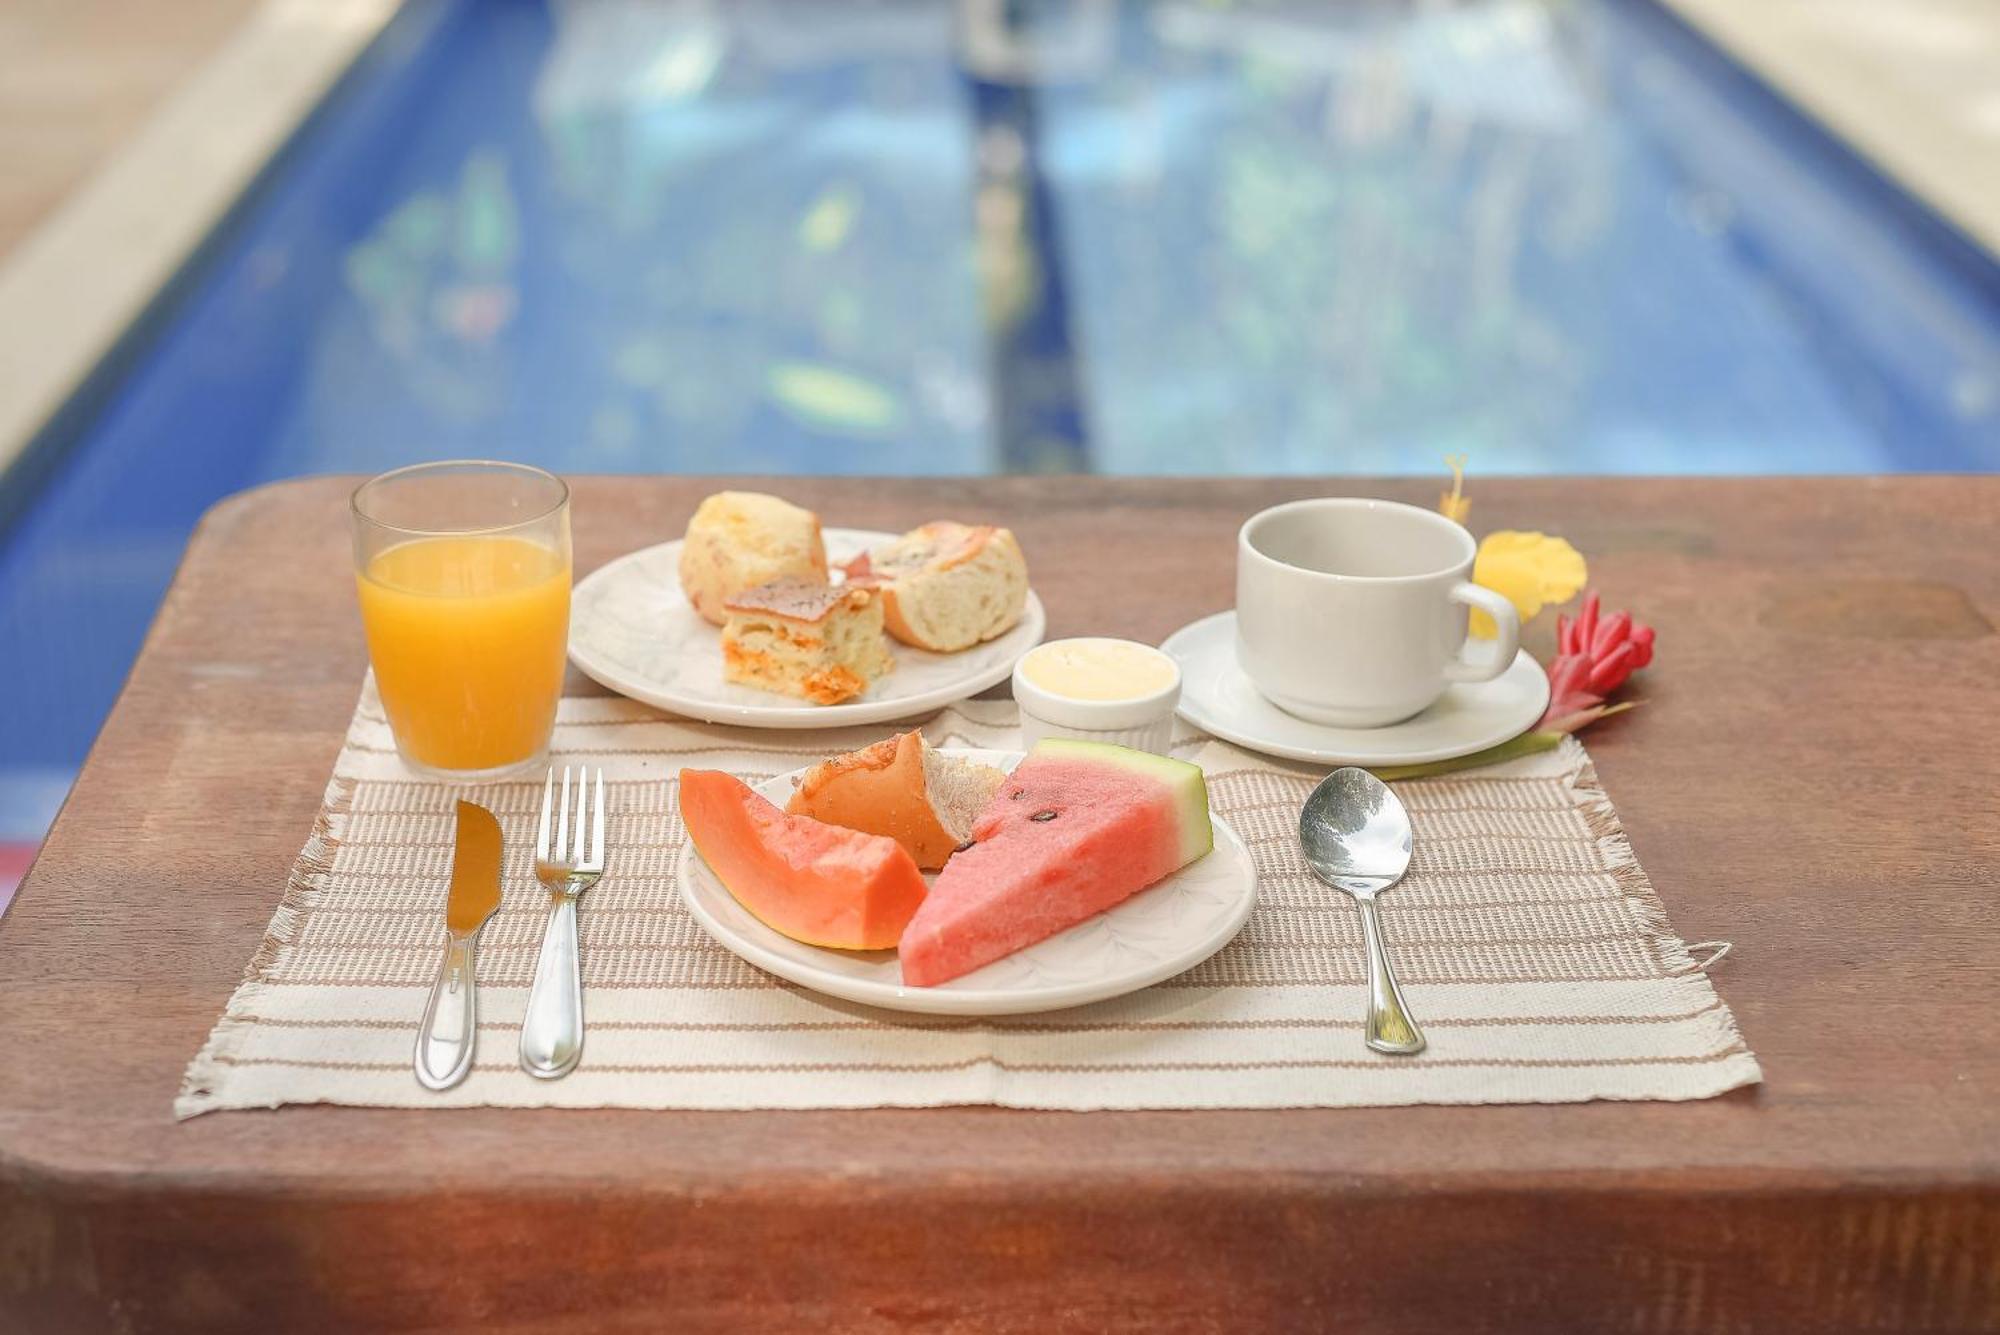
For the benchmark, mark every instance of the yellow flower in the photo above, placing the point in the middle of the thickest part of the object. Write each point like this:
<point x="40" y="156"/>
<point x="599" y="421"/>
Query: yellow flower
<point x="1455" y="504"/>
<point x="1530" y="570"/>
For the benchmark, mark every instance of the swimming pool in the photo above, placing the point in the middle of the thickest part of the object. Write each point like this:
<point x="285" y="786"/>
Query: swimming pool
<point x="782" y="236"/>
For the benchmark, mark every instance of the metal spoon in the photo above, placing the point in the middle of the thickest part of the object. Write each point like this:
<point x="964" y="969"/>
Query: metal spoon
<point x="1356" y="838"/>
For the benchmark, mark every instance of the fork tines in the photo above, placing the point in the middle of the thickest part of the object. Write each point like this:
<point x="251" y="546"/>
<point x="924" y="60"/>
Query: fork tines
<point x="586" y="851"/>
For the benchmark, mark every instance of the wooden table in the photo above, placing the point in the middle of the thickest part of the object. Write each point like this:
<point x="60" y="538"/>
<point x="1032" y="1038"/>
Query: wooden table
<point x="1814" y="777"/>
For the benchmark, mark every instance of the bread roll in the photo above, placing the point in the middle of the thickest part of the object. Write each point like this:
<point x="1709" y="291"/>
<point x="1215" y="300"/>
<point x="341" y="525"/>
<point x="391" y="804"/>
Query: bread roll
<point x="948" y="586"/>
<point x="740" y="539"/>
<point x="822" y="644"/>
<point x="900" y="787"/>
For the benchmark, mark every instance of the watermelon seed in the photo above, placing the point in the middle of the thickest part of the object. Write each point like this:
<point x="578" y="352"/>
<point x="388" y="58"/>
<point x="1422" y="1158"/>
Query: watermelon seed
<point x="962" y="847"/>
<point x="1017" y="794"/>
<point x="1043" y="815"/>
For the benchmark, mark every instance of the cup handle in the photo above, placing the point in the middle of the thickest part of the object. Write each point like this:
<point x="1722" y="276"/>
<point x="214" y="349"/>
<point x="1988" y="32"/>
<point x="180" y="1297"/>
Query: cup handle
<point x="1505" y="646"/>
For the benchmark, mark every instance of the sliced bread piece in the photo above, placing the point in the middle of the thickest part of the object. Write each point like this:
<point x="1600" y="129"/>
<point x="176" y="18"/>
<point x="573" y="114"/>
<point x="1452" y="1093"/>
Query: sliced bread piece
<point x="904" y="788"/>
<point x="740" y="539"/>
<point x="824" y="644"/>
<point x="947" y="586"/>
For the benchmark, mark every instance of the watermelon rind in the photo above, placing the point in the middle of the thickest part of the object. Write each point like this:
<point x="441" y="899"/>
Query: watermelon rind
<point x="1187" y="785"/>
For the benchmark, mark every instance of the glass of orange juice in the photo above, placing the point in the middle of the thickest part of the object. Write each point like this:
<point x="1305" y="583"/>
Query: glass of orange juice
<point x="464" y="570"/>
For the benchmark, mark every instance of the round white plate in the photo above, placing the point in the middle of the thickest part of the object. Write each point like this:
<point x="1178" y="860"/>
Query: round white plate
<point x="1218" y="698"/>
<point x="632" y="630"/>
<point x="1163" y="930"/>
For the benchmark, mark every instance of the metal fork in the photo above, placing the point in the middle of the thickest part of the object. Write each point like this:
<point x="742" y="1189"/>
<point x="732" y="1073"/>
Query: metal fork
<point x="552" y="1032"/>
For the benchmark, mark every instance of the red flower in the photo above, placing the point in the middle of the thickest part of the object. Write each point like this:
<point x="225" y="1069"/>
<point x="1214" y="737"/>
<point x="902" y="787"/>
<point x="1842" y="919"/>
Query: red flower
<point x="1593" y="659"/>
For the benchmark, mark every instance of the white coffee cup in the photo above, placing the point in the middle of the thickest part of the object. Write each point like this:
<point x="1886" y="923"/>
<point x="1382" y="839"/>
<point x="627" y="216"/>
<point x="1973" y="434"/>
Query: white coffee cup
<point x="1352" y="612"/>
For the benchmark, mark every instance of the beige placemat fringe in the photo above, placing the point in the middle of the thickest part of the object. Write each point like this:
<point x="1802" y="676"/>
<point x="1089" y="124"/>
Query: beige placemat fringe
<point x="1530" y="942"/>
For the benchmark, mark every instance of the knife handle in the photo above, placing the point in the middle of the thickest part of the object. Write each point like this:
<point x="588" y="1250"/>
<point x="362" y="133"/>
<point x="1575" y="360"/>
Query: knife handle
<point x="552" y="1033"/>
<point x="451" y="1018"/>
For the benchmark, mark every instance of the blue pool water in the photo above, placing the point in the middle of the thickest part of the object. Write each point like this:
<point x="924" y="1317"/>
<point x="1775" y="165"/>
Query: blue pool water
<point x="1176" y="237"/>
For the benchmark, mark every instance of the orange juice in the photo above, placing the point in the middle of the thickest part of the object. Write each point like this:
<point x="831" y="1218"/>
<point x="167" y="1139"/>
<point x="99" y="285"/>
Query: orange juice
<point x="468" y="636"/>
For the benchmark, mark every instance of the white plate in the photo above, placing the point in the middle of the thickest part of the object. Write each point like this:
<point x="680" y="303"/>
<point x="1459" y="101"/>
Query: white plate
<point x="632" y="630"/>
<point x="1161" y="931"/>
<point x="1218" y="698"/>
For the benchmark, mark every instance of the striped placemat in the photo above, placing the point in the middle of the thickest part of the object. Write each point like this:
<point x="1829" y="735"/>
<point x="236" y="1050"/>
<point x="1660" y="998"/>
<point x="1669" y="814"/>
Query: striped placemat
<point x="1529" y="942"/>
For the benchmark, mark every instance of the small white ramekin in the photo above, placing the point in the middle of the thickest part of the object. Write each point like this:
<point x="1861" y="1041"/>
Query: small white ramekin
<point x="1144" y="723"/>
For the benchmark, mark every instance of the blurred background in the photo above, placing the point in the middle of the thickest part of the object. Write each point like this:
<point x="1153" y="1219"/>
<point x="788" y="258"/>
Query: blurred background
<point x="243" y="240"/>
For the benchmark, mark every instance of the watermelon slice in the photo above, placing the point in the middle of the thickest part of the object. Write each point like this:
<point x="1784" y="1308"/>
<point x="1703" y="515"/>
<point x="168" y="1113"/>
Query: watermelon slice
<point x="1077" y="828"/>
<point x="815" y="882"/>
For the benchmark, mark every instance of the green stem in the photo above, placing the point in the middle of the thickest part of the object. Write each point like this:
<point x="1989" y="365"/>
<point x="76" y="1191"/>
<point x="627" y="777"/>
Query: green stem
<point x="1527" y="744"/>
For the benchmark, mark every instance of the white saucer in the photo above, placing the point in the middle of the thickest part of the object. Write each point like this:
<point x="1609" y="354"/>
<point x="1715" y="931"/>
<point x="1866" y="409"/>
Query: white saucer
<point x="1218" y="698"/>
<point x="632" y="629"/>
<point x="1163" y="930"/>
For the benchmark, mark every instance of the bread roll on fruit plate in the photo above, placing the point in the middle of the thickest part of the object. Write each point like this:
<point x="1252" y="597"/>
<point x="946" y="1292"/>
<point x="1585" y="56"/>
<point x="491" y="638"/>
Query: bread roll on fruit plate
<point x="633" y="630"/>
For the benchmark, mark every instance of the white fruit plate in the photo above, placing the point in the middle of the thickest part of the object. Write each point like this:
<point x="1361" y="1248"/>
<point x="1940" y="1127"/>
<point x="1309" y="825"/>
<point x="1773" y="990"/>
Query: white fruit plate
<point x="1163" y="930"/>
<point x="632" y="630"/>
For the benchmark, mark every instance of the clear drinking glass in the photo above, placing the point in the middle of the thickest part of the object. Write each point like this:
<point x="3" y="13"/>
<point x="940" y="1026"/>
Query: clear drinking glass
<point x="463" y="570"/>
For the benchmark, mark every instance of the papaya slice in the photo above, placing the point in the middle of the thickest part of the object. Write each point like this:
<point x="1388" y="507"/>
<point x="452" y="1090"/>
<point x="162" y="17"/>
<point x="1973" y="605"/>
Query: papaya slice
<point x="814" y="882"/>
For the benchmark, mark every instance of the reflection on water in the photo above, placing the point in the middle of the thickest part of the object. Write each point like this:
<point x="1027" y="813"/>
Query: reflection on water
<point x="1132" y="237"/>
<point x="435" y="284"/>
<point x="746" y="242"/>
<point x="1353" y="237"/>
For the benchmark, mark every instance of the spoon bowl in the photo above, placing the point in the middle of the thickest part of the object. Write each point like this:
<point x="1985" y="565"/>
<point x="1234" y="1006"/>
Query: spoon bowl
<point x="1355" y="833"/>
<point x="1356" y="837"/>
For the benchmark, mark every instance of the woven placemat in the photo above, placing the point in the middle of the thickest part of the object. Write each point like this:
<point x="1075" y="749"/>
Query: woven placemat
<point x="1528" y="940"/>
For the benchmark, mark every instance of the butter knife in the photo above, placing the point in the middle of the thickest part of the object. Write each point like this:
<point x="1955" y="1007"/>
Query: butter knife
<point x="451" y="1019"/>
